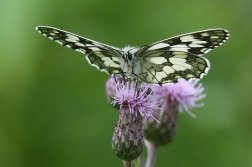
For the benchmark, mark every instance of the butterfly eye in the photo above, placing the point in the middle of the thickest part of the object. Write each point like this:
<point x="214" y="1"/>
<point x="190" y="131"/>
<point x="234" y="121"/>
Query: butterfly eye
<point x="129" y="56"/>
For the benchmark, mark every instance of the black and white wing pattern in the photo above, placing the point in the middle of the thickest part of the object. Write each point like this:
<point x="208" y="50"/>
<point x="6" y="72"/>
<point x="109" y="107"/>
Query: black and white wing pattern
<point x="162" y="62"/>
<point x="178" y="57"/>
<point x="105" y="58"/>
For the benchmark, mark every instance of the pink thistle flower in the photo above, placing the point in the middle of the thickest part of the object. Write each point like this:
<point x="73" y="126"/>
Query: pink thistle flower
<point x="187" y="93"/>
<point x="136" y="102"/>
<point x="176" y="97"/>
<point x="141" y="100"/>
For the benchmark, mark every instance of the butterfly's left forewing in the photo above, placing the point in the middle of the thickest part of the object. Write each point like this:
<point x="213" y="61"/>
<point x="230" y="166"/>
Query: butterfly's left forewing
<point x="178" y="57"/>
<point x="198" y="43"/>
<point x="104" y="57"/>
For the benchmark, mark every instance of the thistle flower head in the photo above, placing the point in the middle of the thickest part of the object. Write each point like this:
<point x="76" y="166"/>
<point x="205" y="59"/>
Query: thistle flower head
<point x="138" y="100"/>
<point x="111" y="85"/>
<point x="176" y="97"/>
<point x="187" y="93"/>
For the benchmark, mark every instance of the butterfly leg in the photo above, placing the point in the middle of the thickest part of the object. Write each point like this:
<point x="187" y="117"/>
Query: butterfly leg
<point x="119" y="75"/>
<point x="137" y="78"/>
<point x="144" y="74"/>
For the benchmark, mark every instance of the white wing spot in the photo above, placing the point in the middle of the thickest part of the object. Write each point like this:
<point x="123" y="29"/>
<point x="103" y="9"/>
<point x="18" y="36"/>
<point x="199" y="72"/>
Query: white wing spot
<point x="72" y="37"/>
<point x="116" y="59"/>
<point x="99" y="54"/>
<point x="79" y="44"/>
<point x="189" y="76"/>
<point x="179" y="46"/>
<point x="158" y="46"/>
<point x="184" y="65"/>
<point x="71" y="40"/>
<point x="179" y="49"/>
<point x="178" y="67"/>
<point x="182" y="48"/>
<point x="214" y="37"/>
<point x="179" y="53"/>
<point x="95" y="49"/>
<point x="160" y="75"/>
<point x="176" y="59"/>
<point x="55" y="31"/>
<point x="168" y="69"/>
<point x="111" y="64"/>
<point x="89" y="45"/>
<point x="186" y="37"/>
<point x="195" y="45"/>
<point x="106" y="59"/>
<point x="182" y="56"/>
<point x="205" y="34"/>
<point x="189" y="40"/>
<point x="199" y="42"/>
<point x="156" y="60"/>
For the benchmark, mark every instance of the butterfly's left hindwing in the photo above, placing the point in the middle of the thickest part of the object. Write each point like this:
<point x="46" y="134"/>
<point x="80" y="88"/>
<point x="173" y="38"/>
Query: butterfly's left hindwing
<point x="163" y="67"/>
<point x="105" y="58"/>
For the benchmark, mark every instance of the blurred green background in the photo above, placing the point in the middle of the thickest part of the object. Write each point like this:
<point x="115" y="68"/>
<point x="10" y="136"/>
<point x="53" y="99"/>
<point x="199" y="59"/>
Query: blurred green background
<point x="53" y="109"/>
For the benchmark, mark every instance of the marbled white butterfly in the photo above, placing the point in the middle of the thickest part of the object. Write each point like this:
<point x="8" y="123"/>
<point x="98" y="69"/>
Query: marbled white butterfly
<point x="162" y="62"/>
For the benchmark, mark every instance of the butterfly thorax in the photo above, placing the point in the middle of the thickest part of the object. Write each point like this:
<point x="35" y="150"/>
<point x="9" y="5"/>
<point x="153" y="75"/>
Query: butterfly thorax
<point x="129" y="62"/>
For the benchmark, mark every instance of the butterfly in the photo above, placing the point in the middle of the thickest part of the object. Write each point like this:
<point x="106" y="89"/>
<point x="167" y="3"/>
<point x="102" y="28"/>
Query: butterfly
<point x="162" y="62"/>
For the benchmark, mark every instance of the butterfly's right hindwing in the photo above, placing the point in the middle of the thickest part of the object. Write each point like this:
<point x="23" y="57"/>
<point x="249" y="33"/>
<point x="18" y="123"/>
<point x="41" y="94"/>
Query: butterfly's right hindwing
<point x="105" y="58"/>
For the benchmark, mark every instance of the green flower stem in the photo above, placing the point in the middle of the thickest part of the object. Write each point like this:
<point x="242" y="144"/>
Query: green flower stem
<point x="127" y="164"/>
<point x="151" y="157"/>
<point x="140" y="160"/>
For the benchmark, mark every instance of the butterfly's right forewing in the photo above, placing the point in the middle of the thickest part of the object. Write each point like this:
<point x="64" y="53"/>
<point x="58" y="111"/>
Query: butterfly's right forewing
<point x="104" y="57"/>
